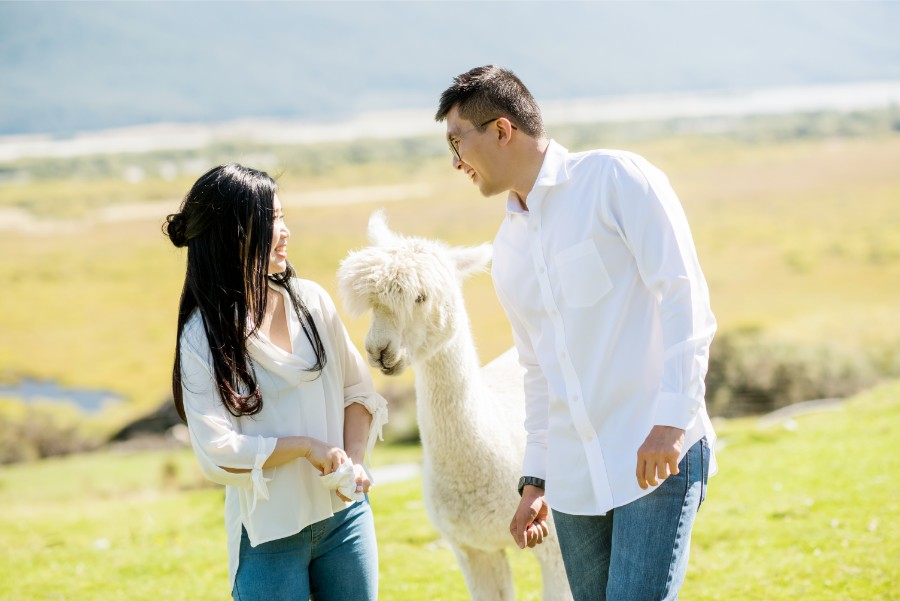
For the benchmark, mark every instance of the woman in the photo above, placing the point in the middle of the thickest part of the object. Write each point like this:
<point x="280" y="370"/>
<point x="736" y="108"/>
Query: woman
<point x="280" y="407"/>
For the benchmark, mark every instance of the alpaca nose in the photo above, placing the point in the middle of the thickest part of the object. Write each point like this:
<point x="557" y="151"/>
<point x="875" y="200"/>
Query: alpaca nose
<point x="376" y="355"/>
<point x="387" y="359"/>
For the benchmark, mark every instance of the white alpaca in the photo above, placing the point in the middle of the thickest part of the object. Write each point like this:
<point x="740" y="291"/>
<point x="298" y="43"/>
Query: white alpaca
<point x="470" y="419"/>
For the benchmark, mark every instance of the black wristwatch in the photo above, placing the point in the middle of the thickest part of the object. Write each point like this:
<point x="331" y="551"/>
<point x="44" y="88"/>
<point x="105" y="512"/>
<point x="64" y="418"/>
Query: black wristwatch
<point x="530" y="480"/>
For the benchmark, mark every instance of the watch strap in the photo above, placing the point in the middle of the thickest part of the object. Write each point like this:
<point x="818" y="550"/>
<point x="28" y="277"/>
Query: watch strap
<point x="532" y="481"/>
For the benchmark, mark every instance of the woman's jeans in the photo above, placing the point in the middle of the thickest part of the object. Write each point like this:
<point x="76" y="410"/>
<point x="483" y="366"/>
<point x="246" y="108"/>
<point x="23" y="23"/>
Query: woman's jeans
<point x="638" y="551"/>
<point x="332" y="560"/>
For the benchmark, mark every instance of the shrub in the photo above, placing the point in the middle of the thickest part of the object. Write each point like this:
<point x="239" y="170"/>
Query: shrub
<point x="29" y="432"/>
<point x="750" y="374"/>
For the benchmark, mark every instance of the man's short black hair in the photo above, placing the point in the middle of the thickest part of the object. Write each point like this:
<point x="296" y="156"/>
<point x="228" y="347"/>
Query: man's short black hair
<point x="490" y="92"/>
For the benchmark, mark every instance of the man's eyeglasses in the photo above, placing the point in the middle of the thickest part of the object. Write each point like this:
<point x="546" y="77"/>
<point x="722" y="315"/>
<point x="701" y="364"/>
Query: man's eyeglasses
<point x="454" y="142"/>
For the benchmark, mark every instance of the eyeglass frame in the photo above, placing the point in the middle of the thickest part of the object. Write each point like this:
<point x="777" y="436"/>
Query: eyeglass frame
<point x="455" y="147"/>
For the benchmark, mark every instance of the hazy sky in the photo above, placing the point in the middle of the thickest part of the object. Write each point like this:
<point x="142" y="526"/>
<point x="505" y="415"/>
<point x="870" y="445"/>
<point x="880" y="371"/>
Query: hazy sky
<point x="71" y="66"/>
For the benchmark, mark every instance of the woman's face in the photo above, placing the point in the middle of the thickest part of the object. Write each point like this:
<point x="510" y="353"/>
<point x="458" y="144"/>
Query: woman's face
<point x="280" y="235"/>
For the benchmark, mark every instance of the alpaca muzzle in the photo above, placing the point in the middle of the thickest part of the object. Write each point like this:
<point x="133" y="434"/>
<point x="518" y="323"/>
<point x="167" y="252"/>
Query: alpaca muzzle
<point x="386" y="359"/>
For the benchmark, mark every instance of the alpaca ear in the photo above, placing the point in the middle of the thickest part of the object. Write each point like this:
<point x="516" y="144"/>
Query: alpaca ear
<point x="470" y="259"/>
<point x="379" y="233"/>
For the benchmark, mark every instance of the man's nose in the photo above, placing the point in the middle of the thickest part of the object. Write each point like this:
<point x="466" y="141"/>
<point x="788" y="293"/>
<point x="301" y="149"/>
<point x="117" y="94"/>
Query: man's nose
<point x="457" y="164"/>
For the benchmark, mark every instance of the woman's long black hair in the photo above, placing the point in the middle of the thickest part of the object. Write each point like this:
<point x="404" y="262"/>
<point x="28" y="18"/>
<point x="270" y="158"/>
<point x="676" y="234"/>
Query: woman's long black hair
<point x="226" y="221"/>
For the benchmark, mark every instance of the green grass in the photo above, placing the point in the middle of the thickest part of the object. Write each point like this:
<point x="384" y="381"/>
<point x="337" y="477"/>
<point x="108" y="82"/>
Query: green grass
<point x="804" y="510"/>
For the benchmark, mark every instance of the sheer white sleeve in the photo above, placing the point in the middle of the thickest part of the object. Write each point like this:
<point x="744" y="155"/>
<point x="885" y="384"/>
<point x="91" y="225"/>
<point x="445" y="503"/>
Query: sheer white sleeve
<point x="215" y="433"/>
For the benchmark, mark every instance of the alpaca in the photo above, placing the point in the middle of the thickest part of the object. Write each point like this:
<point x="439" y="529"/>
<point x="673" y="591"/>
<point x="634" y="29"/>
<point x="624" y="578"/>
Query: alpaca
<point x="470" y="419"/>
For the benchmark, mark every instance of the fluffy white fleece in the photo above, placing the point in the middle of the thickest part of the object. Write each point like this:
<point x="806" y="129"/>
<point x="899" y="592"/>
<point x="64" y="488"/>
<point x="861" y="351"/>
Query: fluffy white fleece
<point x="470" y="418"/>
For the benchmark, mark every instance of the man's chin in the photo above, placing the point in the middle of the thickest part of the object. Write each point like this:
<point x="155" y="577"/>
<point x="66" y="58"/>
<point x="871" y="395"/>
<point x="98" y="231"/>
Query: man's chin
<point x="486" y="191"/>
<point x="489" y="192"/>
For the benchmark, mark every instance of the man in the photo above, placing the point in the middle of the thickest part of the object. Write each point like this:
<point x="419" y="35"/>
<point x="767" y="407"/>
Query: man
<point x="596" y="269"/>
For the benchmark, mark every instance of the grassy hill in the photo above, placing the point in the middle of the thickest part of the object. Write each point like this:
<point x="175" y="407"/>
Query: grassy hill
<point x="796" y="222"/>
<point x="797" y="226"/>
<point x="804" y="509"/>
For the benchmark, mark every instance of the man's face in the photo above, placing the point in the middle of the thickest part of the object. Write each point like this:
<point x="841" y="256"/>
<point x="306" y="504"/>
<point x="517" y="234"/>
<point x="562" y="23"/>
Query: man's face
<point x="478" y="153"/>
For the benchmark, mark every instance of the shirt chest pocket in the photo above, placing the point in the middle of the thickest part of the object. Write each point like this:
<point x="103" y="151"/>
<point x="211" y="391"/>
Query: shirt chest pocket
<point x="582" y="275"/>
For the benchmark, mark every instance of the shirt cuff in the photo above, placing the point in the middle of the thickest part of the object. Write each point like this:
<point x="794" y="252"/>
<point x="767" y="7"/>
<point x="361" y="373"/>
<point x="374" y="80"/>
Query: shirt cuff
<point x="535" y="463"/>
<point x="676" y="410"/>
<point x="264" y="448"/>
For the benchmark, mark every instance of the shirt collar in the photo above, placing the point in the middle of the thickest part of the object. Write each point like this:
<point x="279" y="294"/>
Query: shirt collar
<point x="553" y="172"/>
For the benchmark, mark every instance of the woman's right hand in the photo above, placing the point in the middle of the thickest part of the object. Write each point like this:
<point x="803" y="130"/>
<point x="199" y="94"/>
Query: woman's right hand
<point x="324" y="457"/>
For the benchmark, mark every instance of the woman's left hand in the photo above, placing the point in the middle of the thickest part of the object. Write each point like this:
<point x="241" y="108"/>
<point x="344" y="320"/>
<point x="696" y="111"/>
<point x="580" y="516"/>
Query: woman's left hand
<point x="363" y="484"/>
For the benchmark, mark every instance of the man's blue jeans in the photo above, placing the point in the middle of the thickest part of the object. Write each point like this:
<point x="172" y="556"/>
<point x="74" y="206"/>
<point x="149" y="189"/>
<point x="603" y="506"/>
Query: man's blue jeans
<point x="332" y="560"/>
<point x="639" y="551"/>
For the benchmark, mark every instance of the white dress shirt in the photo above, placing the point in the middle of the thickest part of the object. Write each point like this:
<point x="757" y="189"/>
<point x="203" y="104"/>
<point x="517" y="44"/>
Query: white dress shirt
<point x="610" y="315"/>
<point x="277" y="502"/>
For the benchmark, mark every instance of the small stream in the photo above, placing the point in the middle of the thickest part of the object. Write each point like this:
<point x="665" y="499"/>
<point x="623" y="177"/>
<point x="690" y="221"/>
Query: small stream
<point x="32" y="391"/>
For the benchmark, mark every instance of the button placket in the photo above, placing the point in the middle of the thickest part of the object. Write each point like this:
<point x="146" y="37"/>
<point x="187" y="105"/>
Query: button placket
<point x="570" y="377"/>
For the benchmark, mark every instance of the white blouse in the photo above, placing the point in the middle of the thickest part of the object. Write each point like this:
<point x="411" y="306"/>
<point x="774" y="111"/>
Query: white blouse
<point x="277" y="502"/>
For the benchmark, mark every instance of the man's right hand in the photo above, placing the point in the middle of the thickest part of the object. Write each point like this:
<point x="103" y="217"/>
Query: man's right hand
<point x="529" y="525"/>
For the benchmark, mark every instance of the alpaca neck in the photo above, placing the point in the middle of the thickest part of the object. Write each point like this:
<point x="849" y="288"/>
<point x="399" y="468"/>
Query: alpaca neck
<point x="447" y="384"/>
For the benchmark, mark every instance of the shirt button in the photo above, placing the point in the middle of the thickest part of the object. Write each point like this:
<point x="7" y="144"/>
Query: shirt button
<point x="576" y="398"/>
<point x="533" y="228"/>
<point x="562" y="355"/>
<point x="541" y="270"/>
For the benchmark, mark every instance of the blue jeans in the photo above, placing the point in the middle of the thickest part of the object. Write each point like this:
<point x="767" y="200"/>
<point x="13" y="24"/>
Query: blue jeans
<point x="335" y="559"/>
<point x="639" y="551"/>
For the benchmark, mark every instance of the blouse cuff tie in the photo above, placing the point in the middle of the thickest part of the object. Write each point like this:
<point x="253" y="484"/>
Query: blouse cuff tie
<point x="379" y="419"/>
<point x="260" y="490"/>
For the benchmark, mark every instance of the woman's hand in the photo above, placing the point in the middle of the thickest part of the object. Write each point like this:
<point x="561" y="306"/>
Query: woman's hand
<point x="363" y="484"/>
<point x="325" y="457"/>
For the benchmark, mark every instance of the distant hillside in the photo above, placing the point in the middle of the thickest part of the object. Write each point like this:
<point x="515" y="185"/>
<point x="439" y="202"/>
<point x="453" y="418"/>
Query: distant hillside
<point x="67" y="67"/>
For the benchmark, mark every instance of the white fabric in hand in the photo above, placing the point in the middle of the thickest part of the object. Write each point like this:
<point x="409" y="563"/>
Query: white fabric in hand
<point x="343" y="480"/>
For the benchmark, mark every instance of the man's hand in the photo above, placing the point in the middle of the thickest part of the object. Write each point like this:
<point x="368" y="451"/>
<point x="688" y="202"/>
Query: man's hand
<point x="529" y="525"/>
<point x="658" y="456"/>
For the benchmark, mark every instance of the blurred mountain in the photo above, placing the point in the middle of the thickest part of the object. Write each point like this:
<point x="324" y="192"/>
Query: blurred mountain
<point x="70" y="66"/>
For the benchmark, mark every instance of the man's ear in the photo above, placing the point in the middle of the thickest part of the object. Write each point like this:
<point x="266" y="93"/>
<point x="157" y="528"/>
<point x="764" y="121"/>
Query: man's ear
<point x="504" y="130"/>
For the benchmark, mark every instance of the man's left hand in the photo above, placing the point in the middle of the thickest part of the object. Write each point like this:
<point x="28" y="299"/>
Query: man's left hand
<point x="529" y="526"/>
<point x="657" y="459"/>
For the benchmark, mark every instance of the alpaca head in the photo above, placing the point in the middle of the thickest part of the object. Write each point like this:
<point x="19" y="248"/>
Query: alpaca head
<point x="413" y="287"/>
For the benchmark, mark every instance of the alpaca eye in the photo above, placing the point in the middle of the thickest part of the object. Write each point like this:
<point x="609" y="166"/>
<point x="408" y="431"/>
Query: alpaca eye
<point x="420" y="299"/>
